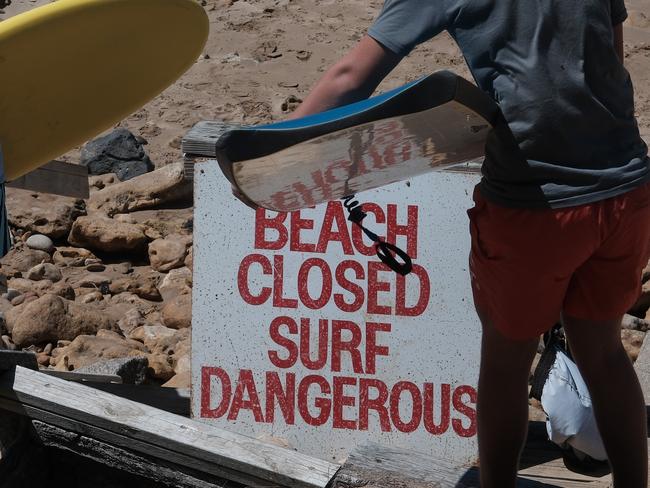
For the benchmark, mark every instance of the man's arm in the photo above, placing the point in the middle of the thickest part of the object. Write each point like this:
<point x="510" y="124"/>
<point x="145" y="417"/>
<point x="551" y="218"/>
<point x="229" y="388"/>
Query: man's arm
<point x="355" y="77"/>
<point x="618" y="40"/>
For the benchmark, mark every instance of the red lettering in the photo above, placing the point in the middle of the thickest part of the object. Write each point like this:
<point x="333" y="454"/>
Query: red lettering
<point x="243" y="279"/>
<point x="324" y="405"/>
<point x="246" y="387"/>
<point x="401" y="309"/>
<point x="305" y="346"/>
<point x="206" y="392"/>
<point x="465" y="410"/>
<point x="297" y="224"/>
<point x="278" y="285"/>
<point x="262" y="223"/>
<point x="429" y="407"/>
<point x="334" y="213"/>
<point x="351" y="346"/>
<point x="377" y="404"/>
<point x="410" y="230"/>
<point x="353" y="288"/>
<point x="286" y="397"/>
<point x="340" y="400"/>
<point x="416" y="404"/>
<point x="303" y="283"/>
<point x="357" y="233"/>
<point x="375" y="286"/>
<point x="280" y="340"/>
<point x="372" y="349"/>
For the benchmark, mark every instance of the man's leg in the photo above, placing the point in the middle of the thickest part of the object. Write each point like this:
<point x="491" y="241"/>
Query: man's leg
<point x="616" y="395"/>
<point x="502" y="405"/>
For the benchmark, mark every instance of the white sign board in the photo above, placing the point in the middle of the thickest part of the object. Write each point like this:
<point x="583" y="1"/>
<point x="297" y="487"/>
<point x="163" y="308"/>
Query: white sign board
<point x="301" y="333"/>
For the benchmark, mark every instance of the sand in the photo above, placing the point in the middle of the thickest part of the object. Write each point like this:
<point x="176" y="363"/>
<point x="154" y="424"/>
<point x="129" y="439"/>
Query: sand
<point x="263" y="55"/>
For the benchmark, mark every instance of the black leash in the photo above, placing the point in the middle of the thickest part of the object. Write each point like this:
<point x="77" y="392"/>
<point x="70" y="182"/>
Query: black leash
<point x="383" y="249"/>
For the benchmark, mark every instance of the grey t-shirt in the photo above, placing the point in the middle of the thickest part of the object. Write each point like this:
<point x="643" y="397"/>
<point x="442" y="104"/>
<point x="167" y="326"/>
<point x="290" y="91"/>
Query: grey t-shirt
<point x="552" y="67"/>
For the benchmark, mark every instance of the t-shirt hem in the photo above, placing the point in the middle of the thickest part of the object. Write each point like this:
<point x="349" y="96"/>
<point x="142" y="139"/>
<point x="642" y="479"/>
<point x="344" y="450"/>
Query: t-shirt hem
<point x="573" y="201"/>
<point x="389" y="43"/>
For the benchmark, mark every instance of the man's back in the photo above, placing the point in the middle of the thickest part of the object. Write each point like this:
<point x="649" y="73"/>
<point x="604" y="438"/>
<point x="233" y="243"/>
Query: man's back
<point x="553" y="68"/>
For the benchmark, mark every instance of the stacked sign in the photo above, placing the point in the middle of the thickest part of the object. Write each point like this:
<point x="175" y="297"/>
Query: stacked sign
<point x="301" y="333"/>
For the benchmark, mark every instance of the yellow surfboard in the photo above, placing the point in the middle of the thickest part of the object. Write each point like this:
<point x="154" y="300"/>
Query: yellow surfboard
<point x="72" y="69"/>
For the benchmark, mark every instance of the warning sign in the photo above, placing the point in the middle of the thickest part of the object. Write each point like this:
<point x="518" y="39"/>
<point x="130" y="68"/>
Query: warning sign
<point x="302" y="333"/>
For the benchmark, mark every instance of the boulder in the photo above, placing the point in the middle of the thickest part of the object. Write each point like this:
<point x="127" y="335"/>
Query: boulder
<point x="157" y="338"/>
<point x="43" y="213"/>
<point x="71" y="256"/>
<point x="162" y="186"/>
<point x="40" y="242"/>
<point x="132" y="370"/>
<point x="118" y="152"/>
<point x="632" y="341"/>
<point x="176" y="282"/>
<point x="163" y="222"/>
<point x="189" y="259"/>
<point x="181" y="380"/>
<point x="161" y="367"/>
<point x="107" y="235"/>
<point x="132" y="320"/>
<point x="177" y="313"/>
<point x="142" y="282"/>
<point x="44" y="271"/>
<point x="167" y="254"/>
<point x="50" y="318"/>
<point x="20" y="259"/>
<point x="87" y="349"/>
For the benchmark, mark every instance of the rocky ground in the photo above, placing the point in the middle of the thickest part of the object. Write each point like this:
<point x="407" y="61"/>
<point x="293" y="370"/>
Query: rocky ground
<point x="111" y="277"/>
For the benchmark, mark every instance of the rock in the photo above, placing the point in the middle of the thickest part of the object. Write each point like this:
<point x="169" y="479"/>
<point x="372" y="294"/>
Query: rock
<point x="72" y="256"/>
<point x="162" y="186"/>
<point x="42" y="213"/>
<point x="161" y="223"/>
<point x="189" y="259"/>
<point x="93" y="280"/>
<point x="161" y="367"/>
<point x="86" y="350"/>
<point x="51" y="318"/>
<point x="11" y="294"/>
<point x="634" y="323"/>
<point x="632" y="342"/>
<point x="8" y="343"/>
<point x="177" y="313"/>
<point x="107" y="235"/>
<point x="181" y="380"/>
<point x="118" y="152"/>
<point x="143" y="283"/>
<point x="4" y="286"/>
<point x="99" y="182"/>
<point x="133" y="319"/>
<point x="156" y="338"/>
<point x="93" y="296"/>
<point x="40" y="243"/>
<point x="642" y="304"/>
<point x="176" y="282"/>
<point x="132" y="370"/>
<point x="167" y="254"/>
<point x="45" y="271"/>
<point x="20" y="259"/>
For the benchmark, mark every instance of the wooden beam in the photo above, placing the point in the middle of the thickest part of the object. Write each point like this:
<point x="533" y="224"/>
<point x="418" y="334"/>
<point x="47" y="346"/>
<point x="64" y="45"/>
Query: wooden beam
<point x="10" y="359"/>
<point x="201" y="140"/>
<point x="149" y="429"/>
<point x="165" y="474"/>
<point x="56" y="177"/>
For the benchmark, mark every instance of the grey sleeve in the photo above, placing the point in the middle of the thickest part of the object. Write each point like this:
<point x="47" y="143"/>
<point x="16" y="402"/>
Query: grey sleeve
<point x="403" y="24"/>
<point x="619" y="12"/>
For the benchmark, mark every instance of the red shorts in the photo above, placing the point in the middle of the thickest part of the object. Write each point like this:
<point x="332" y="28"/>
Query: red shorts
<point x="528" y="267"/>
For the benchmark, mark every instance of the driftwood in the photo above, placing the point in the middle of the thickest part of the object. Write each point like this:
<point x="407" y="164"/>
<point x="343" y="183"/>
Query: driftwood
<point x="56" y="177"/>
<point x="144" y="430"/>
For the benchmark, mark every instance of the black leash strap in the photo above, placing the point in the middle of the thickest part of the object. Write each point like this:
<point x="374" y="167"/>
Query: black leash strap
<point x="383" y="249"/>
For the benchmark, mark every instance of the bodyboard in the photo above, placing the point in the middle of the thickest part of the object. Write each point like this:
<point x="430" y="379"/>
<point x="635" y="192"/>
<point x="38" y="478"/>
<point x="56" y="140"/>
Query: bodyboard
<point x="75" y="68"/>
<point x="438" y="121"/>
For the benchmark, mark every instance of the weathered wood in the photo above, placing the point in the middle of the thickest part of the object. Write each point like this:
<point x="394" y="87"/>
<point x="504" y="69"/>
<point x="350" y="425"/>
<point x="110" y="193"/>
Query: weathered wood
<point x="56" y="177"/>
<point x="375" y="466"/>
<point x="164" y="473"/>
<point x="159" y="452"/>
<point x="201" y="140"/>
<point x="11" y="359"/>
<point x="83" y="377"/>
<point x="154" y="427"/>
<point x="174" y="400"/>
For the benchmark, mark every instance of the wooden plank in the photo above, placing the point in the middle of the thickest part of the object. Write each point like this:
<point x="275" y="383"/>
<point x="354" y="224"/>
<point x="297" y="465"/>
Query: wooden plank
<point x="10" y="359"/>
<point x="201" y="140"/>
<point x="134" y="445"/>
<point x="156" y="427"/>
<point x="83" y="377"/>
<point x="165" y="474"/>
<point x="56" y="177"/>
<point x="375" y="466"/>
<point x="174" y="400"/>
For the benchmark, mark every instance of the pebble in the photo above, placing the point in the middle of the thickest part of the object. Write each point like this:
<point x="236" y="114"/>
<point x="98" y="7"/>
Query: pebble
<point x="8" y="343"/>
<point x="40" y="243"/>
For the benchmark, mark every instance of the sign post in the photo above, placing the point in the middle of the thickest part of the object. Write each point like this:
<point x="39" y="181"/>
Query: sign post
<point x="301" y="333"/>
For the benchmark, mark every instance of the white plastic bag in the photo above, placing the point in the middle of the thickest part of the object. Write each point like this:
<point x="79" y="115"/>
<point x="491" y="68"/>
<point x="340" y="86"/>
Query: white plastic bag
<point x="567" y="404"/>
